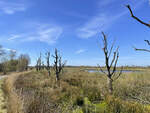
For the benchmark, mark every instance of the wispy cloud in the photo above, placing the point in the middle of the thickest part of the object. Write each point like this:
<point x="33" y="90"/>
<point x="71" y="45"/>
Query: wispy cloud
<point x="8" y="49"/>
<point x="80" y="51"/>
<point x="11" y="7"/>
<point x="97" y="23"/>
<point x="101" y="21"/>
<point x="92" y="26"/>
<point x="43" y="33"/>
<point x="13" y="37"/>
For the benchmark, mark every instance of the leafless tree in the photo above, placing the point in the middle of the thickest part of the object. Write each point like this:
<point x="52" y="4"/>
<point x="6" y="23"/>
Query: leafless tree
<point x="58" y="65"/>
<point x="48" y="62"/>
<point x="110" y="65"/>
<point x="142" y="22"/>
<point x="39" y="63"/>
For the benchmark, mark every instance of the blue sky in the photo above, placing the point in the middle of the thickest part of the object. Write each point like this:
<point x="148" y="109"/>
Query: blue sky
<point x="74" y="27"/>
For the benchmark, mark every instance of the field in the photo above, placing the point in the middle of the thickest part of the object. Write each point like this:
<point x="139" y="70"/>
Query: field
<point x="78" y="91"/>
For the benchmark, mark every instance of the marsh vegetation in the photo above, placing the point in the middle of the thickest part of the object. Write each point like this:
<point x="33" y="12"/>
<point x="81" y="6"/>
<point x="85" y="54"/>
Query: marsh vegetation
<point x="79" y="92"/>
<point x="53" y="87"/>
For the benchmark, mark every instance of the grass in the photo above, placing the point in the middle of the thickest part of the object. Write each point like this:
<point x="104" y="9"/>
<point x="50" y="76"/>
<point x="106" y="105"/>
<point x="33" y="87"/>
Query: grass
<point x="77" y="92"/>
<point x="2" y="100"/>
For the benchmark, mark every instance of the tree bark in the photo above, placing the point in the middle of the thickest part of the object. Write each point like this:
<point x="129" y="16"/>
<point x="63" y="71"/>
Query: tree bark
<point x="49" y="73"/>
<point x="57" y="77"/>
<point x="110" y="85"/>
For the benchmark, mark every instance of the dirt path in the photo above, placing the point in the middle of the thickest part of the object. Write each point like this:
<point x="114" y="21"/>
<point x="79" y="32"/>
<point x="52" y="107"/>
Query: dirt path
<point x="3" y="107"/>
<point x="2" y="100"/>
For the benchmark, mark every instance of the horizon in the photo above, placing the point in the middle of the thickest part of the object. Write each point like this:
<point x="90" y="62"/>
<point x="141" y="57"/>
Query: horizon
<point x="74" y="28"/>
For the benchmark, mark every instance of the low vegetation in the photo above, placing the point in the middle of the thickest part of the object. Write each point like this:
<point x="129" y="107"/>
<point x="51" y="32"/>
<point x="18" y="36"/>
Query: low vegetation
<point x="2" y="99"/>
<point x="79" y="92"/>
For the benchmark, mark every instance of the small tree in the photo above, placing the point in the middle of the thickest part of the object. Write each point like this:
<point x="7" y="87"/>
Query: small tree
<point x="110" y="65"/>
<point x="47" y="54"/>
<point x="5" y="65"/>
<point x="12" y="63"/>
<point x="58" y="65"/>
<point x="23" y="62"/>
<point x="142" y="22"/>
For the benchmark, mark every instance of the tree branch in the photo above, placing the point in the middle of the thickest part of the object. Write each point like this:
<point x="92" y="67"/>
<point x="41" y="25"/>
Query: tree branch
<point x="111" y="49"/>
<point x="147" y="41"/>
<point x="101" y="69"/>
<point x="114" y="57"/>
<point x="141" y="49"/>
<point x="114" y="69"/>
<point x="119" y="73"/>
<point x="136" y="18"/>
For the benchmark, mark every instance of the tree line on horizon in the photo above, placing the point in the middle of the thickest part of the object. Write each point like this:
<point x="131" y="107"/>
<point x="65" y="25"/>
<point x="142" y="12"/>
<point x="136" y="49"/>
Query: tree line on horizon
<point x="10" y="62"/>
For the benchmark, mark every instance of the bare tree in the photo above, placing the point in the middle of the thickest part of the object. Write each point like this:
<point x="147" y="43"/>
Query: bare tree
<point x="48" y="62"/>
<point x="39" y="63"/>
<point x="142" y="22"/>
<point x="110" y="65"/>
<point x="58" y="65"/>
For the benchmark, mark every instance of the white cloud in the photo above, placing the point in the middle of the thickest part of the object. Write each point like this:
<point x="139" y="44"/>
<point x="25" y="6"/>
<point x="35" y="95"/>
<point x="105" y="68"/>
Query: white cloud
<point x="50" y="35"/>
<point x="104" y="19"/>
<point x="92" y="26"/>
<point x="7" y="49"/>
<point x="43" y="33"/>
<point x="97" y="23"/>
<point x="80" y="51"/>
<point x="13" y="37"/>
<point x="11" y="7"/>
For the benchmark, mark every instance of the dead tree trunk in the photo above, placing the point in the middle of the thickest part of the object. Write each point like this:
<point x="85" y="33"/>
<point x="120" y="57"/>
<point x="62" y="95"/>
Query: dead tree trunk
<point x="48" y="62"/>
<point x="58" y="65"/>
<point x="110" y="85"/>
<point x="39" y="63"/>
<point x="110" y="67"/>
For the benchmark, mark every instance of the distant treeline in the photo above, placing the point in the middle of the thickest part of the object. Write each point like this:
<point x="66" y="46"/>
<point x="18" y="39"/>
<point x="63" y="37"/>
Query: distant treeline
<point x="10" y="62"/>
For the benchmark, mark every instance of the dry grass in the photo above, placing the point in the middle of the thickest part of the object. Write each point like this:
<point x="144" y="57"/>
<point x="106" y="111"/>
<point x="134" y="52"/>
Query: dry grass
<point x="14" y="104"/>
<point x="36" y="92"/>
<point x="2" y="100"/>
